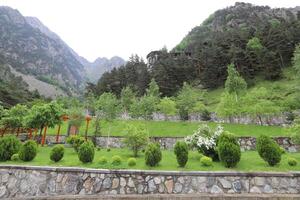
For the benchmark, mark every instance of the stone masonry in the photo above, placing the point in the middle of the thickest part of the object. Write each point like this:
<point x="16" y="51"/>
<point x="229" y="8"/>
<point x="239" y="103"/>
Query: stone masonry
<point x="21" y="181"/>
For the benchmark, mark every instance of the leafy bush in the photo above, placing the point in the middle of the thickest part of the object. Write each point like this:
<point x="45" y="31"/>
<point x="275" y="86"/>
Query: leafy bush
<point x="182" y="153"/>
<point x="268" y="150"/>
<point x="86" y="152"/>
<point x="9" y="145"/>
<point x="205" y="140"/>
<point x="57" y="153"/>
<point x="131" y="162"/>
<point x="229" y="154"/>
<point x="229" y="150"/>
<point x="28" y="150"/>
<point x="292" y="161"/>
<point x="103" y="160"/>
<point x="282" y="150"/>
<point x="136" y="139"/>
<point x="75" y="141"/>
<point x="116" y="160"/>
<point x="226" y="137"/>
<point x="15" y="157"/>
<point x="206" y="161"/>
<point x="153" y="154"/>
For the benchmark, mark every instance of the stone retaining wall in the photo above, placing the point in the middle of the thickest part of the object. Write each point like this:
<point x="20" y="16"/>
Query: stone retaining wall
<point x="22" y="181"/>
<point x="246" y="143"/>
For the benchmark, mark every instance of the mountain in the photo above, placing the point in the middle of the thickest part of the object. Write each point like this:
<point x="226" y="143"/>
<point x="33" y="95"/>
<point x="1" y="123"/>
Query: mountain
<point x="258" y="40"/>
<point x="38" y="55"/>
<point x="95" y="69"/>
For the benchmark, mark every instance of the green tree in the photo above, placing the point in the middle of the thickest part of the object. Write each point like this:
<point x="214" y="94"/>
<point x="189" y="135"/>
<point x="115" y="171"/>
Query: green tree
<point x="257" y="104"/>
<point x="254" y="44"/>
<point x="228" y="106"/>
<point x="127" y="98"/>
<point x="296" y="59"/>
<point x="235" y="84"/>
<point x="136" y="138"/>
<point x="167" y="106"/>
<point x="107" y="108"/>
<point x="153" y="89"/>
<point x="14" y="117"/>
<point x="186" y="100"/>
<point x="144" y="107"/>
<point x="42" y="115"/>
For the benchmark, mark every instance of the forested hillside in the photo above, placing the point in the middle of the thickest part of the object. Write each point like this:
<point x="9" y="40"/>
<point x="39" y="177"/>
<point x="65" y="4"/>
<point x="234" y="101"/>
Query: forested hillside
<point x="258" y="40"/>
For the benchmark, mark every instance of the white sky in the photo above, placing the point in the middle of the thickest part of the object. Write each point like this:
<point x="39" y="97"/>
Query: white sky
<point x="98" y="28"/>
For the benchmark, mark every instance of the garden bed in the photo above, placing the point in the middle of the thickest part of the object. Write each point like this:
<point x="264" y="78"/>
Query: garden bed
<point x="250" y="161"/>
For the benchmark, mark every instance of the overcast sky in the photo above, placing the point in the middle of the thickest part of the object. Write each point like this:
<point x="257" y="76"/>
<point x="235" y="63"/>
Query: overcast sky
<point x="105" y="28"/>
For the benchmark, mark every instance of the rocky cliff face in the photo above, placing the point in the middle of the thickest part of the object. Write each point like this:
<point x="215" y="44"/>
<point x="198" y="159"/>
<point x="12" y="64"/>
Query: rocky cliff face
<point x="100" y="65"/>
<point x="32" y="49"/>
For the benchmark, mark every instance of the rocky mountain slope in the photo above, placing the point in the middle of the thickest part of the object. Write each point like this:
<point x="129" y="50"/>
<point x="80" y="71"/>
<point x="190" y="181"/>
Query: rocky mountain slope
<point x="258" y="40"/>
<point x="42" y="60"/>
<point x="95" y="69"/>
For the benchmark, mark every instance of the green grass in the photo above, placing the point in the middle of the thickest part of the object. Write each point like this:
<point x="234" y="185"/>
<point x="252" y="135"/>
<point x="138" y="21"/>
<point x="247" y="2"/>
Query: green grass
<point x="250" y="161"/>
<point x="177" y="129"/>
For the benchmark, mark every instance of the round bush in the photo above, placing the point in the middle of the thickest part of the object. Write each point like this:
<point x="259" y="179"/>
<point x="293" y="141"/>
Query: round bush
<point x="86" y="152"/>
<point x="75" y="141"/>
<point x="153" y="154"/>
<point x="292" y="162"/>
<point x="268" y="150"/>
<point x="57" y="153"/>
<point x="227" y="137"/>
<point x="103" y="160"/>
<point x="182" y="153"/>
<point x="206" y="161"/>
<point x="28" y="150"/>
<point x="116" y="160"/>
<point x="282" y="150"/>
<point x="15" y="157"/>
<point x="229" y="153"/>
<point x="131" y="162"/>
<point x="9" y="145"/>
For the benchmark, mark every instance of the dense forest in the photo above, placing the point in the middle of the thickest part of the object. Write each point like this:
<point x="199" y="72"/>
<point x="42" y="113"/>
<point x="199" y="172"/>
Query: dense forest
<point x="258" y="40"/>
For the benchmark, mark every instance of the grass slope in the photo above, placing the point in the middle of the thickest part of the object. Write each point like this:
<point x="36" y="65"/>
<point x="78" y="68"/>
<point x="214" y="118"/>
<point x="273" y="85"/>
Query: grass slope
<point x="176" y="129"/>
<point x="250" y="161"/>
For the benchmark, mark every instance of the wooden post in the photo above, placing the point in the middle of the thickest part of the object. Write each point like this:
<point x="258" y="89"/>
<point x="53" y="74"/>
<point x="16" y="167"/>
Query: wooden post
<point x="88" y="119"/>
<point x="18" y="131"/>
<point x="57" y="135"/>
<point x="30" y="133"/>
<point x="35" y="132"/>
<point x="44" y="135"/>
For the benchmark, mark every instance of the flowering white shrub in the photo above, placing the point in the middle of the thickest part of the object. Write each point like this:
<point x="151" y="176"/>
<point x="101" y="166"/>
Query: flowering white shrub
<point x="205" y="140"/>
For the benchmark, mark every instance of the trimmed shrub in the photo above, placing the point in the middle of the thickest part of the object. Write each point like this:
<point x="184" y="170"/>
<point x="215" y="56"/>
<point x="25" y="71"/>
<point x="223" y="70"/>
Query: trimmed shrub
<point x="28" y="150"/>
<point x="116" y="160"/>
<point x="282" y="150"/>
<point x="292" y="161"/>
<point x="108" y="150"/>
<point x="103" y="160"/>
<point x="182" y="153"/>
<point x="153" y="154"/>
<point x="9" y="145"/>
<point x="206" y="161"/>
<point x="86" y="152"/>
<point x="268" y="150"/>
<point x="15" y="157"/>
<point x="131" y="162"/>
<point x="229" y="154"/>
<point x="57" y="153"/>
<point x="227" y="137"/>
<point x="75" y="141"/>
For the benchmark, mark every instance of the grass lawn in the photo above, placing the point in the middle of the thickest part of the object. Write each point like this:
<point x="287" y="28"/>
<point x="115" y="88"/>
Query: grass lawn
<point x="168" y="128"/>
<point x="250" y="161"/>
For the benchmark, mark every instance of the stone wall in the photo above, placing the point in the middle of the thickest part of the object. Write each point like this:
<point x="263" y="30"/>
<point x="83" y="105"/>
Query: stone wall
<point x="22" y="181"/>
<point x="246" y="143"/>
